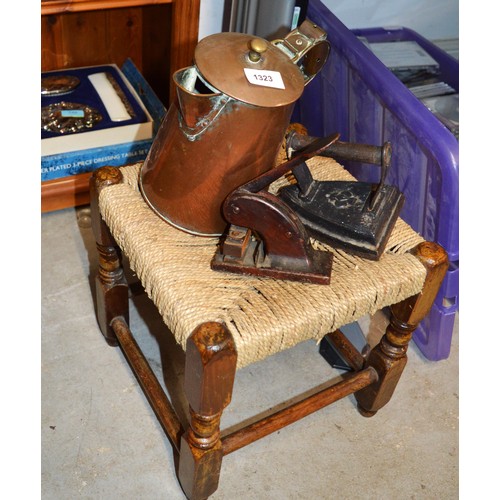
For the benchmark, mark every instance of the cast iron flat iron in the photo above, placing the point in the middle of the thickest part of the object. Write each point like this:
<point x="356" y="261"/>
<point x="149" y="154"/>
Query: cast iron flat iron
<point x="269" y="235"/>
<point x="355" y="216"/>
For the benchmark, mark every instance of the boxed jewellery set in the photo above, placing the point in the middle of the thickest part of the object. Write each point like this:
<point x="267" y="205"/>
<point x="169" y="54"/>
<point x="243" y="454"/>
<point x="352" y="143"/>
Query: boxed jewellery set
<point x="94" y="116"/>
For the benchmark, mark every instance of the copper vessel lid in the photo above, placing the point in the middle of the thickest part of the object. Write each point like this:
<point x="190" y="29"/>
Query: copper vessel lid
<point x="222" y="59"/>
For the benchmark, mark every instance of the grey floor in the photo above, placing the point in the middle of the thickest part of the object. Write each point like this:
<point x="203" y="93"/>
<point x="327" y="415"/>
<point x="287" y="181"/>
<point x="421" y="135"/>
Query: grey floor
<point x="101" y="440"/>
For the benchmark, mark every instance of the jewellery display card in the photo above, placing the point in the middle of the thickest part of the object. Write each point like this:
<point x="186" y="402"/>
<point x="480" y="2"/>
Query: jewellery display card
<point x="93" y="116"/>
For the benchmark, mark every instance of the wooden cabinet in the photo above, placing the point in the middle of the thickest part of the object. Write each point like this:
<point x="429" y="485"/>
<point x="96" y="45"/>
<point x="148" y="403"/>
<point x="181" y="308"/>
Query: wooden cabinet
<point x="158" y="35"/>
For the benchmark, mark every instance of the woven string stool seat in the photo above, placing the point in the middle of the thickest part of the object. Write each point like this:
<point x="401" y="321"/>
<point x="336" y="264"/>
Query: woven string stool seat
<point x="226" y="321"/>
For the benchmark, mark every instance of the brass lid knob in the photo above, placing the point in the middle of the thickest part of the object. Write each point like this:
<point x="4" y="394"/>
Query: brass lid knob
<point x="257" y="46"/>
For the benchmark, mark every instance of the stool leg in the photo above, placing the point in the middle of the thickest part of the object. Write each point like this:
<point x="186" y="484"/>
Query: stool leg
<point x="210" y="369"/>
<point x="389" y="356"/>
<point x="111" y="286"/>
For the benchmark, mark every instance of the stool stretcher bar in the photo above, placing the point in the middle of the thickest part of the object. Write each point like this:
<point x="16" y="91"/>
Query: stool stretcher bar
<point x="149" y="383"/>
<point x="296" y="411"/>
<point x="350" y="354"/>
<point x="171" y="424"/>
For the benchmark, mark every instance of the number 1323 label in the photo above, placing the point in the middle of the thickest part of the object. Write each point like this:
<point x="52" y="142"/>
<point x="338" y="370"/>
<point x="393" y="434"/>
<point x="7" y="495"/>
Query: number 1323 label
<point x="264" y="78"/>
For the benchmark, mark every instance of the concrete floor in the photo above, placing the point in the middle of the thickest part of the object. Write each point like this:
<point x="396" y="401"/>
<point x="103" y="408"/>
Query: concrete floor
<point x="101" y="440"/>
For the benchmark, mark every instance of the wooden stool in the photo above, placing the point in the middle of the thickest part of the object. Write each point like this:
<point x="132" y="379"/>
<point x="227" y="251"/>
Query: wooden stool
<point x="226" y="321"/>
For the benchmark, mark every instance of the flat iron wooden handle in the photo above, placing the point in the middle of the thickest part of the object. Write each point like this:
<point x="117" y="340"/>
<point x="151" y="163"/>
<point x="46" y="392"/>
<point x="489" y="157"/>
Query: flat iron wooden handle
<point x="350" y="151"/>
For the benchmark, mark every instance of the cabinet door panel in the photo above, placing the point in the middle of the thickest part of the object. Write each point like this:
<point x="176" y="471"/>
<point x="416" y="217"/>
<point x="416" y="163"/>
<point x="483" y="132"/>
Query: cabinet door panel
<point x="111" y="36"/>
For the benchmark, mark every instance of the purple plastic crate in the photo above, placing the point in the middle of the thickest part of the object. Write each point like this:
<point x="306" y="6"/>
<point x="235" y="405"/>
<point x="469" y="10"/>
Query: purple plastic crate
<point x="357" y="96"/>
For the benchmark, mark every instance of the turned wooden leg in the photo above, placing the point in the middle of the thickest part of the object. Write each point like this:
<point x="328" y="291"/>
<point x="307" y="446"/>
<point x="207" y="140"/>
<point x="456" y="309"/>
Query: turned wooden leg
<point x="210" y="369"/>
<point x="111" y="286"/>
<point x="389" y="356"/>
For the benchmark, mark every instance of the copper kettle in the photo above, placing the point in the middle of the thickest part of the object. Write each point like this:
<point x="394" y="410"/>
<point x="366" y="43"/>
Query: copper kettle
<point x="226" y="127"/>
